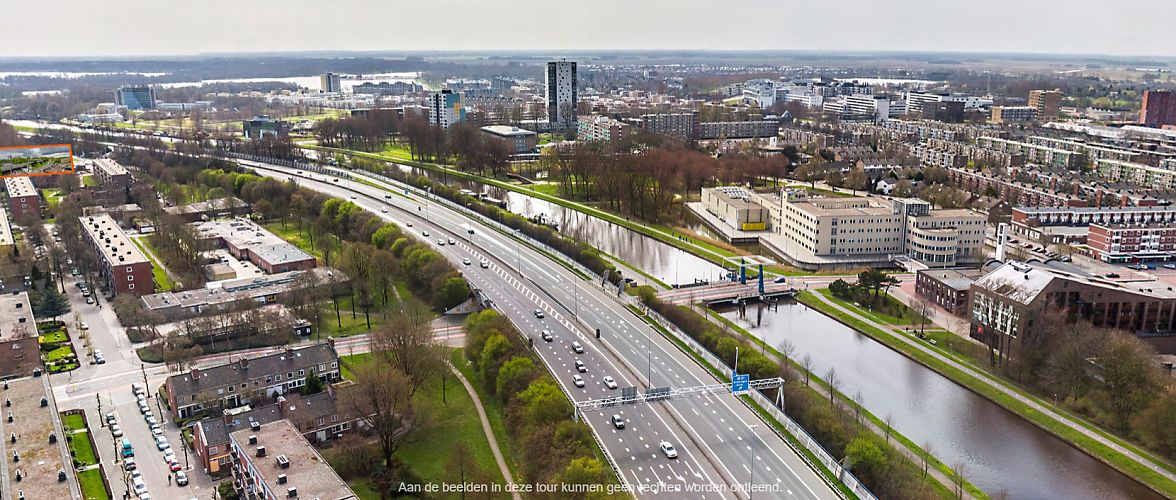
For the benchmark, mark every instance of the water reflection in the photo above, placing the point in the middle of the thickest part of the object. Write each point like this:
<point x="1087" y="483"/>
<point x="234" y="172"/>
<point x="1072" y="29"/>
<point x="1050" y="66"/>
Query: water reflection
<point x="1000" y="451"/>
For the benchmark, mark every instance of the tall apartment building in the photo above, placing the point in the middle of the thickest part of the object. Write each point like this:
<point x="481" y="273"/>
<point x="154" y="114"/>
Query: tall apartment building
<point x="111" y="174"/>
<point x="121" y="264"/>
<point x="135" y="97"/>
<point x="329" y="82"/>
<point x="23" y="199"/>
<point x="596" y="128"/>
<point x="876" y="107"/>
<point x="1145" y="176"/>
<point x="1046" y="102"/>
<point x="1158" y="108"/>
<point x="561" y="94"/>
<point x="445" y="108"/>
<point x="684" y="125"/>
<point x="1013" y="114"/>
<point x="1035" y="153"/>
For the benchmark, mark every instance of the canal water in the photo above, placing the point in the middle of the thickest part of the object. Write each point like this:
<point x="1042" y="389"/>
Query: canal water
<point x="1000" y="451"/>
<point x="660" y="260"/>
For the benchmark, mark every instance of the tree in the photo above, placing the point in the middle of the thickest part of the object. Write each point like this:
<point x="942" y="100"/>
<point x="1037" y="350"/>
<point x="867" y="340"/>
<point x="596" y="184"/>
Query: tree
<point x="52" y="303"/>
<point x="314" y="384"/>
<point x="405" y="341"/>
<point x="494" y="354"/>
<point x="1157" y="423"/>
<point x="382" y="400"/>
<point x="1130" y="377"/>
<point x="514" y="376"/>
<point x="453" y="292"/>
<point x="585" y="471"/>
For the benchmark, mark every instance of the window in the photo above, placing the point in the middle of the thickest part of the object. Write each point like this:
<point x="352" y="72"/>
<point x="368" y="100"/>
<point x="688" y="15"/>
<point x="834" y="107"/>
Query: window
<point x="335" y="417"/>
<point x="269" y="380"/>
<point x="301" y="372"/>
<point x="131" y="286"/>
<point x="290" y="375"/>
<point x="322" y="420"/>
<point x="334" y="364"/>
<point x="131" y="278"/>
<point x="278" y="377"/>
<point x="130" y="269"/>
<point x="212" y="450"/>
<point x="232" y="388"/>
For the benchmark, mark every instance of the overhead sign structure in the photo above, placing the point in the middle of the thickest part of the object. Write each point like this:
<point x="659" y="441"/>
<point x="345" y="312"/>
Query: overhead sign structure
<point x="740" y="384"/>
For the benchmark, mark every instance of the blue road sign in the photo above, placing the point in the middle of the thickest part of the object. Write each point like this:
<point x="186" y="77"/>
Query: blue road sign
<point x="740" y="384"/>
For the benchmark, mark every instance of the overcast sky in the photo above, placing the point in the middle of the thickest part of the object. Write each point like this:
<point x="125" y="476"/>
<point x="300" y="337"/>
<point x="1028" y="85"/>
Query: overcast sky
<point x="182" y="27"/>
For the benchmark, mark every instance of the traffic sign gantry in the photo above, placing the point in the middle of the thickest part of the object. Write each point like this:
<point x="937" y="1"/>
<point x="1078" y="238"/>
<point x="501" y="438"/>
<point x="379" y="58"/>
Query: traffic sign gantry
<point x="740" y="384"/>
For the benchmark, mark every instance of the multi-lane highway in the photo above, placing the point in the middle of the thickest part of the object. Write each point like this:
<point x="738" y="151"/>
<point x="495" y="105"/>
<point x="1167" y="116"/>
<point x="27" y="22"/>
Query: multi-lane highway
<point x="724" y="450"/>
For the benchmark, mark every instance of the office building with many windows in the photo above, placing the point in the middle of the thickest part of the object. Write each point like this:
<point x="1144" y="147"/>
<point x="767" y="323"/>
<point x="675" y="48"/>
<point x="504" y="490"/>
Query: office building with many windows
<point x="561" y="94"/>
<point x="135" y="97"/>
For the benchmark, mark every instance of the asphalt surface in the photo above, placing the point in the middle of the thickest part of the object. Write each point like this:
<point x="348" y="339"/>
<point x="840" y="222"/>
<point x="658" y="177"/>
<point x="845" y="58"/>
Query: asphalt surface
<point x="722" y="446"/>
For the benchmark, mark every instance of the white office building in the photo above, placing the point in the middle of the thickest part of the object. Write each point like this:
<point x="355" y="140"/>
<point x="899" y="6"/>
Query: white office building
<point x="761" y="93"/>
<point x="561" y="94"/>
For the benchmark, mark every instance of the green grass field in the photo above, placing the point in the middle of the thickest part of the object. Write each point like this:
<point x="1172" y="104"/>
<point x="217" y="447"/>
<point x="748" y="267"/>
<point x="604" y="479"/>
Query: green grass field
<point x="59" y="353"/>
<point x="450" y="422"/>
<point x="73" y="422"/>
<point x="89" y="181"/>
<point x="162" y="280"/>
<point x="290" y="233"/>
<point x="909" y="317"/>
<point x="92" y="487"/>
<point x="56" y="337"/>
<point x="82" y="449"/>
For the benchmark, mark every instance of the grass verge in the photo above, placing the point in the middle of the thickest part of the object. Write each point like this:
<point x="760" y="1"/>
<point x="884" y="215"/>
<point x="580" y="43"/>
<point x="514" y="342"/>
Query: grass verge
<point x="1098" y="450"/>
<point x="157" y="270"/>
<point x="495" y="411"/>
<point x="73" y="422"/>
<point x="909" y="317"/>
<point x="93" y="487"/>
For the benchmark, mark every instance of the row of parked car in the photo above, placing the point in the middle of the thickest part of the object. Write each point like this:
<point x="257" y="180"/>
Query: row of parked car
<point x="130" y="466"/>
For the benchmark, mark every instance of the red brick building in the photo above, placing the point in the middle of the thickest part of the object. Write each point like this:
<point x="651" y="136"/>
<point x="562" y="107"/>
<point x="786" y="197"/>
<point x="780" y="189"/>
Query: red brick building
<point x="1132" y="242"/>
<point x="121" y="264"/>
<point x="1158" y="108"/>
<point x="22" y="198"/>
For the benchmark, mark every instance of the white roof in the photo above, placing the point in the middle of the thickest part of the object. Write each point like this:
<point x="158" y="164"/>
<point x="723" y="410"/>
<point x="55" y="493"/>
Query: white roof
<point x="1017" y="281"/>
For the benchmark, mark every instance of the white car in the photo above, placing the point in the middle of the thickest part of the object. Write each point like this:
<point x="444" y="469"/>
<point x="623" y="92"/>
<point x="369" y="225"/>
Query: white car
<point x="139" y="486"/>
<point x="580" y="367"/>
<point x="539" y="313"/>
<point x="578" y="380"/>
<point x="384" y="210"/>
<point x="353" y="197"/>
<point x="618" y="422"/>
<point x="116" y="430"/>
<point x="150" y="419"/>
<point x="137" y="389"/>
<point x="579" y="349"/>
<point x="451" y="241"/>
<point x="85" y="326"/>
<point x="466" y="261"/>
<point x="668" y="450"/>
<point x="156" y="432"/>
<point x="161" y="443"/>
<point x="485" y="264"/>
<point x="440" y="242"/>
<point x="425" y="233"/>
<point x="169" y="456"/>
<point x="610" y="383"/>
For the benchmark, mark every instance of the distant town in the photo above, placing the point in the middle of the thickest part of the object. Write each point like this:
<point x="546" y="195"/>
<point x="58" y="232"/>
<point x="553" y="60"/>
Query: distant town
<point x="748" y="274"/>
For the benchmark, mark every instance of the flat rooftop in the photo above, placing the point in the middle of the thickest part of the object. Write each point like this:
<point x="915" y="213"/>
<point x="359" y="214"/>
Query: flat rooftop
<point x="109" y="167"/>
<point x="116" y="246"/>
<point x="233" y="290"/>
<point x="19" y="186"/>
<point x="841" y="206"/>
<point x="306" y="471"/>
<point x="6" y="237"/>
<point x="507" y="131"/>
<point x="951" y="278"/>
<point x="207" y="206"/>
<point x="1047" y="210"/>
<point x="13" y="308"/>
<point x="39" y="461"/>
<point x="243" y="233"/>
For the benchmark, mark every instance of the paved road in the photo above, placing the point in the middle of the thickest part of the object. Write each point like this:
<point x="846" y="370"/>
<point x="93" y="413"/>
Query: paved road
<point x="722" y="445"/>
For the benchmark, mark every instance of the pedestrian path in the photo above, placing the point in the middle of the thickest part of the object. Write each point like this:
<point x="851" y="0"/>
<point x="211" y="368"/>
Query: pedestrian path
<point x="487" y="430"/>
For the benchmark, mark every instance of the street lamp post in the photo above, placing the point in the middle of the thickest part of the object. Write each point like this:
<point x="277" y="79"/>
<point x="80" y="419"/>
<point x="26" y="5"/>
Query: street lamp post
<point x="751" y="467"/>
<point x="519" y="251"/>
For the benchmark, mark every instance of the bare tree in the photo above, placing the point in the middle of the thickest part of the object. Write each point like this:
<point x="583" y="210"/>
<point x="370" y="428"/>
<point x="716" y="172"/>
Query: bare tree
<point x="888" y="426"/>
<point x="925" y="457"/>
<point x="406" y="342"/>
<point x="957" y="478"/>
<point x="831" y="379"/>
<point x="807" y="363"/>
<point x="382" y="400"/>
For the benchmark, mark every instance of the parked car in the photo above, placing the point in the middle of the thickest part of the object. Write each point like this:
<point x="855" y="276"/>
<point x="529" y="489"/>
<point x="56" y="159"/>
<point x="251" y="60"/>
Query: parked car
<point x="116" y="430"/>
<point x="181" y="478"/>
<point x="84" y="325"/>
<point x="1169" y="266"/>
<point x="161" y="443"/>
<point x="89" y="300"/>
<point x="129" y="464"/>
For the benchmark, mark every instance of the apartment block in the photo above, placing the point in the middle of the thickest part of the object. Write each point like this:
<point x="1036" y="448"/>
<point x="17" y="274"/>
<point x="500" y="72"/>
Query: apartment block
<point x="1012" y="114"/>
<point x="561" y="94"/>
<point x="1046" y="102"/>
<point x="738" y="130"/>
<point x="1016" y="193"/>
<point x="111" y="174"/>
<point x="1158" y="108"/>
<point x="516" y="139"/>
<point x="683" y="125"/>
<point x="1145" y="176"/>
<point x="597" y="128"/>
<point x="273" y="461"/>
<point x="1046" y="156"/>
<point x="23" y="199"/>
<point x="250" y="380"/>
<point x="445" y="108"/>
<point x="945" y="288"/>
<point x="7" y="240"/>
<point x="1132" y="242"/>
<point x="122" y="265"/>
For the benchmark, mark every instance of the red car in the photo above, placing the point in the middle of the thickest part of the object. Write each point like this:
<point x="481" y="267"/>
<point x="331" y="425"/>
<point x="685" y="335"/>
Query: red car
<point x="175" y="466"/>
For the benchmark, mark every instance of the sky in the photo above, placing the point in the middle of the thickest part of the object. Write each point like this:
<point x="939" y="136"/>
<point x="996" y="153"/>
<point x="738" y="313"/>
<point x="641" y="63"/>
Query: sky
<point x="39" y="28"/>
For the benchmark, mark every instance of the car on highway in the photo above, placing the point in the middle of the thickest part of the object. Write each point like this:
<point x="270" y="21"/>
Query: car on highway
<point x="466" y="261"/>
<point x="610" y="383"/>
<point x="668" y="449"/>
<point x="387" y="197"/>
<point x="618" y="422"/>
<point x="1112" y="275"/>
<point x="539" y="313"/>
<point x="547" y="337"/>
<point x="409" y="224"/>
<point x="579" y="349"/>
<point x="485" y="264"/>
<point x="425" y="233"/>
<point x="181" y="478"/>
<point x="452" y="242"/>
<point x="116" y="430"/>
<point x="580" y="366"/>
<point x="781" y="279"/>
<point x="578" y="380"/>
<point x="383" y="210"/>
<point x="84" y="325"/>
<point x="440" y="242"/>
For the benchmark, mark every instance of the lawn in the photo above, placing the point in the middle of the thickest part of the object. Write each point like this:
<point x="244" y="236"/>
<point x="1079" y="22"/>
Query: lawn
<point x="162" y="280"/>
<point x="52" y="197"/>
<point x="495" y="410"/>
<point x="73" y="422"/>
<point x="1063" y="431"/>
<point x="56" y="337"/>
<point x="352" y="360"/>
<point x="450" y="422"/>
<point x="89" y="181"/>
<point x="92" y="487"/>
<point x="908" y="317"/>
<point x="59" y="353"/>
<point x="82" y="450"/>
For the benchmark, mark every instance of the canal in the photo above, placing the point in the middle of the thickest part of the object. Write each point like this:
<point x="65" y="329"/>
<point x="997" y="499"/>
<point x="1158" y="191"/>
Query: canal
<point x="1000" y="451"/>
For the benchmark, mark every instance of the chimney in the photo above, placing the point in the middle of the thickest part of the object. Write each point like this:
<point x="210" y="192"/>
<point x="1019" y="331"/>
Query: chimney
<point x="195" y="373"/>
<point x="261" y="451"/>
<point x="289" y="352"/>
<point x="252" y="439"/>
<point x="244" y="362"/>
<point x="281" y="479"/>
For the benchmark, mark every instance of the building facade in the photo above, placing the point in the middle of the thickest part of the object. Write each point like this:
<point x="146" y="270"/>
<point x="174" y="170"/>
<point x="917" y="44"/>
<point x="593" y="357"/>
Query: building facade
<point x="445" y="108"/>
<point x="945" y="288"/>
<point x="250" y="381"/>
<point x="122" y="265"/>
<point x="263" y="126"/>
<point x="683" y="125"/>
<point x="597" y="128"/>
<point x="517" y="140"/>
<point x="738" y="130"/>
<point x="135" y="97"/>
<point x="1013" y="114"/>
<point x="1132" y="243"/>
<point x="329" y="82"/>
<point x="1046" y="102"/>
<point x="111" y="173"/>
<point x="1158" y="108"/>
<point x="274" y="462"/>
<point x="561" y="94"/>
<point x="23" y="199"/>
